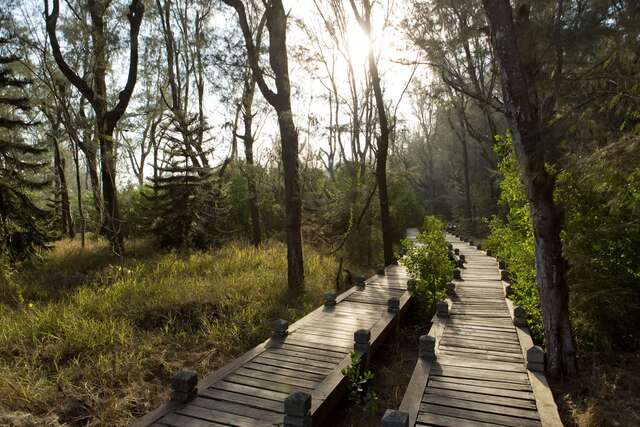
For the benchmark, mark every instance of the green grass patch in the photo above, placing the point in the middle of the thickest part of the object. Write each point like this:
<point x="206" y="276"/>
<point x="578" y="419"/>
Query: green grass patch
<point x="102" y="351"/>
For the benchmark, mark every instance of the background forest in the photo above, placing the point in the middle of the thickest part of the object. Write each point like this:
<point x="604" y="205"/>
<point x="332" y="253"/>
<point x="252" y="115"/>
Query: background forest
<point x="165" y="165"/>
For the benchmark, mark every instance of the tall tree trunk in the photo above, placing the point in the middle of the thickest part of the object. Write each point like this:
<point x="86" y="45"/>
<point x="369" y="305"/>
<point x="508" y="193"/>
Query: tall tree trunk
<point x="281" y="102"/>
<point x="66" y="223"/>
<point x="96" y="93"/>
<point x="76" y="161"/>
<point x="546" y="215"/>
<point x="467" y="180"/>
<point x="247" y="117"/>
<point x="383" y="140"/>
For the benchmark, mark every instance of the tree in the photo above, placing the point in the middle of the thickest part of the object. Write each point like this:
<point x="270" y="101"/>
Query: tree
<point x="364" y="20"/>
<point x="23" y="225"/>
<point x="280" y="100"/>
<point x="96" y="94"/>
<point x="529" y="128"/>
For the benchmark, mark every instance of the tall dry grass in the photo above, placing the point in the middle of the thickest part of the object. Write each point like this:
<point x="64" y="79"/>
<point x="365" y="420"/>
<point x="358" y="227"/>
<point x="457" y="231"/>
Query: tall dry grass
<point x="100" y="351"/>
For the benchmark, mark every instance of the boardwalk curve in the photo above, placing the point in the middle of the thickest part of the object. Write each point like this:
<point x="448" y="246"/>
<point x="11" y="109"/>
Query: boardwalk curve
<point x="473" y="369"/>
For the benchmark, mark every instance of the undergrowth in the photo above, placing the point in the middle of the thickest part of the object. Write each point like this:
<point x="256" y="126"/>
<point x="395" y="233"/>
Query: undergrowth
<point x="102" y="353"/>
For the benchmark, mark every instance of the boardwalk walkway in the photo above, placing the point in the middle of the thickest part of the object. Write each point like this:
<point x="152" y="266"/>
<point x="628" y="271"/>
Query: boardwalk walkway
<point x="306" y="357"/>
<point x="473" y="365"/>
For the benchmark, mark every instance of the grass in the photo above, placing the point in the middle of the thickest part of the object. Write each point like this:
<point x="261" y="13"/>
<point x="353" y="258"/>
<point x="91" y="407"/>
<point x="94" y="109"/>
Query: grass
<point x="99" y="349"/>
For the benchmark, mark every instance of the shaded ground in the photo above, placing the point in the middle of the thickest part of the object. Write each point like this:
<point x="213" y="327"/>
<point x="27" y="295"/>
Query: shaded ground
<point x="392" y="366"/>
<point x="606" y="392"/>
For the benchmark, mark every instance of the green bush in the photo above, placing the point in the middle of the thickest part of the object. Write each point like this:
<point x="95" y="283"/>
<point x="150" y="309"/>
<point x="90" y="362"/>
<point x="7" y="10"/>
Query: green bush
<point x="511" y="237"/>
<point x="428" y="260"/>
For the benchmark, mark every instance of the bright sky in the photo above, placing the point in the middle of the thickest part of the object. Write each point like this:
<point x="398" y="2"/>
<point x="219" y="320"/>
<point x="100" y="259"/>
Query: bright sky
<point x="310" y="95"/>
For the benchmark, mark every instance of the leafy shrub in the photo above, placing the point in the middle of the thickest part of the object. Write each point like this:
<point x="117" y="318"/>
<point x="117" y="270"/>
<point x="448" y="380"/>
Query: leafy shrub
<point x="427" y="259"/>
<point x="601" y="242"/>
<point x="511" y="237"/>
<point x="359" y="385"/>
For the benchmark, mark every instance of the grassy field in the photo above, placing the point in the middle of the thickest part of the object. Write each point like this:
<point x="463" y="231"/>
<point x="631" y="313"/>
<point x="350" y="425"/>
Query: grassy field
<point x="95" y="340"/>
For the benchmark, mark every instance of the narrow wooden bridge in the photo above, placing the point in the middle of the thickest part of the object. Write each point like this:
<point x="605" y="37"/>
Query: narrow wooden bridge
<point x="478" y="365"/>
<point x="294" y="378"/>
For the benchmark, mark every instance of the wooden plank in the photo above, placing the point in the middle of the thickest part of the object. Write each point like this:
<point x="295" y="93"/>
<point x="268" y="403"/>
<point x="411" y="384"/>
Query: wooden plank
<point x="292" y="365"/>
<point x="250" y="391"/>
<point x="307" y="354"/>
<point x="498" y="401"/>
<point x="483" y="382"/>
<point x="234" y="408"/>
<point x="302" y="360"/>
<point x="278" y="370"/>
<point x="272" y="385"/>
<point x="215" y="416"/>
<point x="251" y="401"/>
<point x="478" y="416"/>
<point x="481" y="364"/>
<point x="427" y="419"/>
<point x="175" y="420"/>
<point x="485" y="388"/>
<point x="295" y="381"/>
<point x="455" y="371"/>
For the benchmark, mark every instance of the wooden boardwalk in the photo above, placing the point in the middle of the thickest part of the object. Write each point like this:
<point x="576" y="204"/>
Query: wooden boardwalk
<point x="472" y="369"/>
<point x="307" y="358"/>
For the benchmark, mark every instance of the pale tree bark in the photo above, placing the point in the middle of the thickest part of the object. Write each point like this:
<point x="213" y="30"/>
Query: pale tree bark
<point x="66" y="222"/>
<point x="546" y="214"/>
<point x="96" y="95"/>
<point x="383" y="141"/>
<point x="280" y="100"/>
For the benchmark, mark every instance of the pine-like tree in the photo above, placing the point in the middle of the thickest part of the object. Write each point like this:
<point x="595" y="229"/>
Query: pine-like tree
<point x="23" y="225"/>
<point x="189" y="205"/>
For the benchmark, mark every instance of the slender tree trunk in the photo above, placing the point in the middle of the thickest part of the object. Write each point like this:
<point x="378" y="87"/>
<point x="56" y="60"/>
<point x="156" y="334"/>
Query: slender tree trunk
<point x="247" y="117"/>
<point x="467" y="181"/>
<point x="276" y="21"/>
<point x="65" y="207"/>
<point x="83" y="226"/>
<point x="383" y="140"/>
<point x="546" y="215"/>
<point x="112" y="221"/>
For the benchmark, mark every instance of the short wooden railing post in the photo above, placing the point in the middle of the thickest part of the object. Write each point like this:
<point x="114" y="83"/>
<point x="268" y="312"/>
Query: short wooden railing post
<point x="362" y="345"/>
<point x="456" y="251"/>
<point x="427" y="347"/>
<point x="442" y="309"/>
<point x="279" y="329"/>
<point x="519" y="316"/>
<point x="450" y="289"/>
<point x="535" y="358"/>
<point x="457" y="275"/>
<point x="395" y="418"/>
<point x="361" y="282"/>
<point x="330" y="299"/>
<point x="184" y="386"/>
<point x="297" y="408"/>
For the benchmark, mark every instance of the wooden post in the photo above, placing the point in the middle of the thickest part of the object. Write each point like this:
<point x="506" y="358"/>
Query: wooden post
<point x="361" y="282"/>
<point x="184" y="386"/>
<point x="442" y="309"/>
<point x="393" y="305"/>
<point x="395" y="418"/>
<point x="502" y="265"/>
<point x="504" y="275"/>
<point x="426" y="347"/>
<point x="279" y="329"/>
<point x="450" y="289"/>
<point x="297" y="410"/>
<point x="330" y="299"/>
<point x="535" y="358"/>
<point x="519" y="316"/>
<point x="362" y="345"/>
<point x="456" y="251"/>
<point x="380" y="271"/>
<point x="456" y="274"/>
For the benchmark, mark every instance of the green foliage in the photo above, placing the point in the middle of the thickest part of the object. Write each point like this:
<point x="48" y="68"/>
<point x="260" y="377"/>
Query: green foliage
<point x="23" y="224"/>
<point x="511" y="236"/>
<point x="602" y="242"/>
<point x="152" y="318"/>
<point x="359" y="385"/>
<point x="428" y="260"/>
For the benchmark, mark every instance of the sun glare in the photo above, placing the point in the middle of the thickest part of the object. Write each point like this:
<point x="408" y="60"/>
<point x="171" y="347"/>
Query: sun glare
<point x="358" y="44"/>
